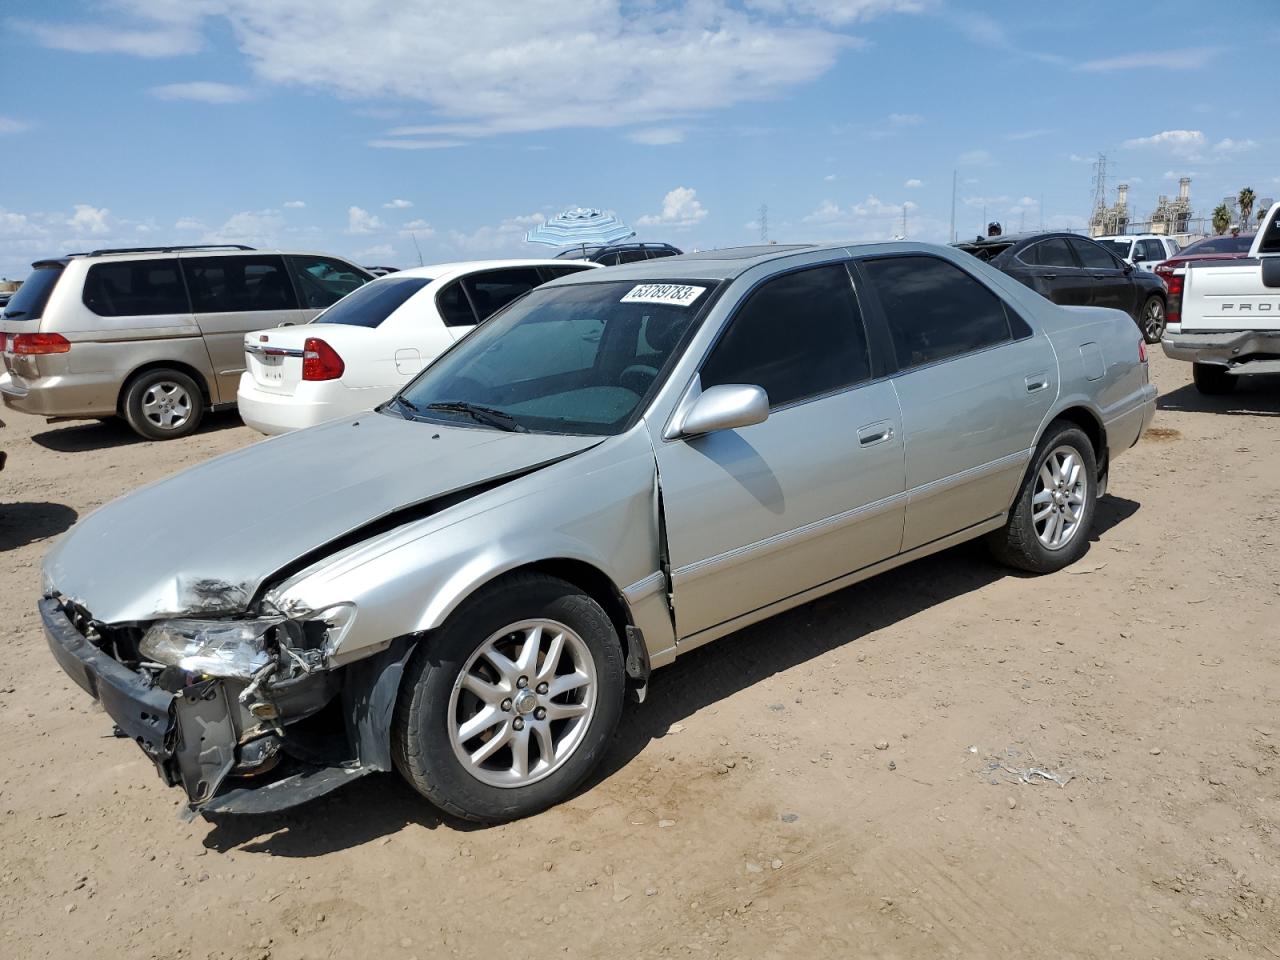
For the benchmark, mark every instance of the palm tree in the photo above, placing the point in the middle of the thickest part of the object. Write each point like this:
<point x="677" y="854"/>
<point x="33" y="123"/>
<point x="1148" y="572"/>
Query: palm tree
<point x="1261" y="215"/>
<point x="1246" y="200"/>
<point x="1221" y="219"/>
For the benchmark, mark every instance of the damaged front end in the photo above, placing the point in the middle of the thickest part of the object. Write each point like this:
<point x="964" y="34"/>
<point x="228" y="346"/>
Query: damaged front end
<point x="223" y="707"/>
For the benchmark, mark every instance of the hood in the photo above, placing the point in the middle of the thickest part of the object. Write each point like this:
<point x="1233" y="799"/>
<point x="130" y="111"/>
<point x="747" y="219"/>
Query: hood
<point x="203" y="541"/>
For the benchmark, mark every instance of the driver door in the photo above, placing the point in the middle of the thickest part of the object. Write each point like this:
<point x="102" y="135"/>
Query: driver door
<point x="757" y="514"/>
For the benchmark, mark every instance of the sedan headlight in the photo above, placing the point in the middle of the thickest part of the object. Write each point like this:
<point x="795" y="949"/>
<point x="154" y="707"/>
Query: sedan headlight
<point x="219" y="648"/>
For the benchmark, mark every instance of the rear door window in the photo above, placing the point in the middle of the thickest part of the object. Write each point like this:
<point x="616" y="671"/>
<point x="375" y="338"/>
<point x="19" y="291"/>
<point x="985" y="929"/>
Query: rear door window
<point x="797" y="336"/>
<point x="323" y="281"/>
<point x="934" y="309"/>
<point x="1053" y="252"/>
<point x="493" y="290"/>
<point x="554" y="273"/>
<point x="1153" y="250"/>
<point x="135" y="288"/>
<point x="29" y="300"/>
<point x="374" y="302"/>
<point x="249" y="284"/>
<point x="631" y="256"/>
<point x="1092" y="256"/>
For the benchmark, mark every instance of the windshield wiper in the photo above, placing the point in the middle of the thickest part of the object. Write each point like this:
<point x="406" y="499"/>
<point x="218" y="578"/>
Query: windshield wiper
<point x="489" y="416"/>
<point x="405" y="404"/>
<point x="10" y="314"/>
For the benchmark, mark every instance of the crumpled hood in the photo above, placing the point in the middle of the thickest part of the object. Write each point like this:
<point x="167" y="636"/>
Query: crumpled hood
<point x="204" y="540"/>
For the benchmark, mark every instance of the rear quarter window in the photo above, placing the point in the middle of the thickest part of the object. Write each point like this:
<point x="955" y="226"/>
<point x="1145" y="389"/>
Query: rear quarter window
<point x="29" y="301"/>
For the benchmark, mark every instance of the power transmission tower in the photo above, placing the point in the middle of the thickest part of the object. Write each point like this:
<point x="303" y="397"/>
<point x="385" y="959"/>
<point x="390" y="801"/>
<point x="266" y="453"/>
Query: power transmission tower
<point x="764" y="223"/>
<point x="1100" y="188"/>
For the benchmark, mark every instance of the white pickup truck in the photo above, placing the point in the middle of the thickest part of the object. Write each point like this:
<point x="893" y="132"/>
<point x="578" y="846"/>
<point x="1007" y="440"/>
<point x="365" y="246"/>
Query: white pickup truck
<point x="1224" y="316"/>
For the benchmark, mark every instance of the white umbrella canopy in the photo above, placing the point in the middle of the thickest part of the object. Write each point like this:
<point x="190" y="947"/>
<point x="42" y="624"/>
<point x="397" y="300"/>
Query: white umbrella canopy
<point x="580" y="226"/>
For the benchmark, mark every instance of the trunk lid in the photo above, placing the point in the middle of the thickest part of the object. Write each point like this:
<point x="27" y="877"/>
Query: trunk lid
<point x="1222" y="296"/>
<point x="274" y="357"/>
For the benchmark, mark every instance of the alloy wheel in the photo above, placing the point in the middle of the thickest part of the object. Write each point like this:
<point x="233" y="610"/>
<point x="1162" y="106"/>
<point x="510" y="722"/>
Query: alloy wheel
<point x="166" y="405"/>
<point x="1058" y="502"/>
<point x="522" y="704"/>
<point x="1153" y="319"/>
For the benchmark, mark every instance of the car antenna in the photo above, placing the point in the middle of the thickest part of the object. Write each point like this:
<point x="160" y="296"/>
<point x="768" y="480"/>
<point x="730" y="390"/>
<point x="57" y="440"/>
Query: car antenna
<point x="416" y="247"/>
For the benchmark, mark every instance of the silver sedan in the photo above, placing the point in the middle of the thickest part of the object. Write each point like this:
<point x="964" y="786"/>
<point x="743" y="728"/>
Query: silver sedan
<point x="466" y="583"/>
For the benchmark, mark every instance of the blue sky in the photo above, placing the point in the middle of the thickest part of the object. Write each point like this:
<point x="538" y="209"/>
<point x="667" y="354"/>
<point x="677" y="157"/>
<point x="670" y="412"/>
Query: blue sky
<point x="344" y="126"/>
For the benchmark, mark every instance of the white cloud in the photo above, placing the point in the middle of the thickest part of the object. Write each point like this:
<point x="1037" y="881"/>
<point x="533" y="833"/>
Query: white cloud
<point x="975" y="158"/>
<point x="259" y="228"/>
<point x="657" y="136"/>
<point x="1179" y="141"/>
<point x="397" y="204"/>
<point x="506" y="237"/>
<point x="294" y="204"/>
<point x="361" y="221"/>
<point x="10" y="125"/>
<point x="517" y="70"/>
<point x="1081" y="158"/>
<point x="829" y="177"/>
<point x="1228" y="145"/>
<point x="871" y="219"/>
<point x="913" y="183"/>
<point x="839" y="12"/>
<point x="202" y="91"/>
<point x="89" y="219"/>
<point x="905" y="119"/>
<point x="381" y="251"/>
<point x="680" y="208"/>
<point x="189" y="223"/>
<point x="420" y="227"/>
<point x="435" y="144"/>
<point x="1027" y="134"/>
<point x="1189" y="59"/>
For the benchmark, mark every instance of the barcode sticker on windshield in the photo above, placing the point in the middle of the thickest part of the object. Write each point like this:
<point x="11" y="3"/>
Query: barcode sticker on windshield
<point x="676" y="294"/>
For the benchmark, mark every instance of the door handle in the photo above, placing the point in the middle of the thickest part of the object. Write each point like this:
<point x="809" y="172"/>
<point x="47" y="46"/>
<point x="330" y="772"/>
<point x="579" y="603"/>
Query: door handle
<point x="874" y="433"/>
<point x="1037" y="382"/>
<point x="1049" y="276"/>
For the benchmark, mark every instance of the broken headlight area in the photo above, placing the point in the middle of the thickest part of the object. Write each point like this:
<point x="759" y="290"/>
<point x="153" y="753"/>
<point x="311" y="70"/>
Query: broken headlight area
<point x="224" y="701"/>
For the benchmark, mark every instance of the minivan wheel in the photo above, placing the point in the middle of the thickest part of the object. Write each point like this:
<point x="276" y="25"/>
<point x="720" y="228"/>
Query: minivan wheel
<point x="163" y="404"/>
<point x="507" y="708"/>
<point x="1213" y="380"/>
<point x="1153" y="319"/>
<point x="1048" y="528"/>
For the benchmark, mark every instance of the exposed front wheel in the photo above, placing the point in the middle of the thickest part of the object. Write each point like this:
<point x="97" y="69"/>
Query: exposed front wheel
<point x="1152" y="321"/>
<point x="1048" y="528"/>
<point x="1212" y="380"/>
<point x="508" y="707"/>
<point x="163" y="404"/>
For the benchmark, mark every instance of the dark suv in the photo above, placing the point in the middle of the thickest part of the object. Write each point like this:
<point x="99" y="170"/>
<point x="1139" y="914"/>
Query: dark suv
<point x="615" y="253"/>
<point x="1076" y="271"/>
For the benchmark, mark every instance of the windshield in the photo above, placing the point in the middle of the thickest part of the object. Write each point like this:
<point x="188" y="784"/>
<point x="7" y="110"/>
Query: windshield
<point x="1119" y="247"/>
<point x="562" y="359"/>
<point x="28" y="303"/>
<point x="369" y="305"/>
<point x="1239" y="244"/>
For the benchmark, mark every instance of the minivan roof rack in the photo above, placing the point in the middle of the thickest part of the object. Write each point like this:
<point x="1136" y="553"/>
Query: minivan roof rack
<point x="189" y="246"/>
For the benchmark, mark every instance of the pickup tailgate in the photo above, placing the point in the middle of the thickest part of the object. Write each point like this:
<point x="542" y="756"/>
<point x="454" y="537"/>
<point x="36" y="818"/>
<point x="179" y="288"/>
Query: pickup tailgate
<point x="1219" y="296"/>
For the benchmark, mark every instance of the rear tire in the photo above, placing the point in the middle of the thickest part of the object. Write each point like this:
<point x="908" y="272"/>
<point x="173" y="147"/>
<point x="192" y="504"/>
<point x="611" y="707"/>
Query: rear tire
<point x="1048" y="528"/>
<point x="478" y="704"/>
<point x="163" y="404"/>
<point x="1151" y="320"/>
<point x="1212" y="380"/>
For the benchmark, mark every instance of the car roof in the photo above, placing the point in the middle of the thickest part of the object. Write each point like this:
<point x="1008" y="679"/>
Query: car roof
<point x="1011" y="238"/>
<point x="1132" y="236"/>
<point x="438" y="271"/>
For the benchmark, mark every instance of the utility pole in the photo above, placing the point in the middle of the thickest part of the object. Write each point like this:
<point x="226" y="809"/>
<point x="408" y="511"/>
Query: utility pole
<point x="1042" y="213"/>
<point x="953" y="206"/>
<point x="416" y="247"/>
<point x="904" y="219"/>
<point x="764" y="223"/>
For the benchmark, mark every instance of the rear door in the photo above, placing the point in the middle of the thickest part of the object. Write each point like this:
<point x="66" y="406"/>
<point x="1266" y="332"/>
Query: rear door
<point x="1052" y="271"/>
<point x="975" y="383"/>
<point x="1109" y="281"/>
<point x="1152" y="252"/>
<point x="232" y="295"/>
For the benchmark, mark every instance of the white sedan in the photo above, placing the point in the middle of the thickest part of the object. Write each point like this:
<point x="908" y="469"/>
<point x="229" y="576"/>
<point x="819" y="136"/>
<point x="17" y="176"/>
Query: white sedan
<point x="370" y="343"/>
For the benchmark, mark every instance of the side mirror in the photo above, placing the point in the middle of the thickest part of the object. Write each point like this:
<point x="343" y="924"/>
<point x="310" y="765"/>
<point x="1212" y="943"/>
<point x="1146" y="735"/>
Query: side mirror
<point x="1139" y="256"/>
<point x="726" y="407"/>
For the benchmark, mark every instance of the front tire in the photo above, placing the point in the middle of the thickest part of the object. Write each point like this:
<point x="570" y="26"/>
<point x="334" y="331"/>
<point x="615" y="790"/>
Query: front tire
<point x="163" y="404"/>
<point x="1048" y="528"/>
<point x="1152" y="319"/>
<point x="507" y="708"/>
<point x="1212" y="380"/>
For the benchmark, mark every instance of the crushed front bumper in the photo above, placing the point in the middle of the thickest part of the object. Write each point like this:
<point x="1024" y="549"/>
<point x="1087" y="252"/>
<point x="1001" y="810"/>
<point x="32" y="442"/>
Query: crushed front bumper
<point x="1232" y="349"/>
<point x="190" y="736"/>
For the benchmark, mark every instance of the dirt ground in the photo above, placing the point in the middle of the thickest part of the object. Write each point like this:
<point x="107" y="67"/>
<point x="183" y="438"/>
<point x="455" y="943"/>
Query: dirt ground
<point x="841" y="781"/>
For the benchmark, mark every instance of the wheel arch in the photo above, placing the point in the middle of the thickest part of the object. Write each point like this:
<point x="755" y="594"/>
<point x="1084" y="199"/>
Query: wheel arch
<point x="177" y="365"/>
<point x="1080" y="415"/>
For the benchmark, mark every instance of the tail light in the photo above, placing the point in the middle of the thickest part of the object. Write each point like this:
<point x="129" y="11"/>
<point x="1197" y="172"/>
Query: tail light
<point x="320" y="361"/>
<point x="36" y="344"/>
<point x="1142" y="350"/>
<point x="1173" y="306"/>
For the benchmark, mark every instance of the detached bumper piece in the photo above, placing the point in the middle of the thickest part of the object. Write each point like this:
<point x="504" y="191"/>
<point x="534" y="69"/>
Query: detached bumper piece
<point x="190" y="735"/>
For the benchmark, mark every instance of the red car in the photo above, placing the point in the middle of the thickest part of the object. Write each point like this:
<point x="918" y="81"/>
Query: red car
<point x="1210" y="248"/>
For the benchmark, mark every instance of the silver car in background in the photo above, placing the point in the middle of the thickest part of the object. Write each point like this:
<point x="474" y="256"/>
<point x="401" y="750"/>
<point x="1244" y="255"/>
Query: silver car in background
<point x="617" y="468"/>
